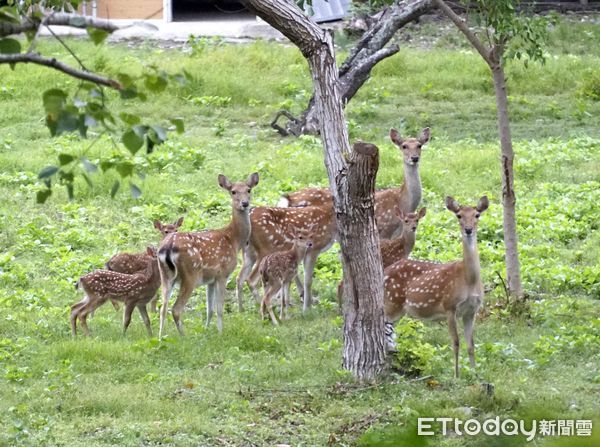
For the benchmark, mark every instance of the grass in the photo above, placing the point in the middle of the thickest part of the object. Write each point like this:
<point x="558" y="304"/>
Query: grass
<point x="261" y="385"/>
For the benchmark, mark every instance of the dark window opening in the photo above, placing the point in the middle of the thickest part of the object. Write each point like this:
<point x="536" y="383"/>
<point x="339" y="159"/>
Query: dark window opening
<point x="195" y="10"/>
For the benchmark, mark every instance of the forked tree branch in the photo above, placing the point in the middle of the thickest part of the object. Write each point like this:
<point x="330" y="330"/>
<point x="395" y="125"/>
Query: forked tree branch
<point x="485" y="52"/>
<point x="57" y="19"/>
<point x="34" y="58"/>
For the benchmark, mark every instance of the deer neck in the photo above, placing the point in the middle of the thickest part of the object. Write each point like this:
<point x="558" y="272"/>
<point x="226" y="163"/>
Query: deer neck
<point x="409" y="241"/>
<point x="411" y="188"/>
<point x="239" y="228"/>
<point x="471" y="260"/>
<point x="299" y="253"/>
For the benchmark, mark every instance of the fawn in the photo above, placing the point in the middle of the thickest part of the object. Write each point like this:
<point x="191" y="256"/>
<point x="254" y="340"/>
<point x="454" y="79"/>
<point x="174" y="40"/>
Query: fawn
<point x="134" y="290"/>
<point x="279" y="269"/>
<point x="205" y="257"/>
<point x="133" y="262"/>
<point x="428" y="290"/>
<point x="393" y="250"/>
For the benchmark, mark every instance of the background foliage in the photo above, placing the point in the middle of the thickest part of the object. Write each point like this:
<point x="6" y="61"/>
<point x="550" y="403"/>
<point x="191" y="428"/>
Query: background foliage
<point x="257" y="384"/>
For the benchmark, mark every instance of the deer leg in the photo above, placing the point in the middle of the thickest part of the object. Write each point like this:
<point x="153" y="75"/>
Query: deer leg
<point x="153" y="303"/>
<point x="309" y="267"/>
<point x="129" y="306"/>
<point x="167" y="290"/>
<point x="219" y="297"/>
<point x="390" y="337"/>
<point x="145" y="318"/>
<point x="285" y="298"/>
<point x="299" y="287"/>
<point x="453" y="329"/>
<point x="74" y="314"/>
<point x="468" y="321"/>
<point x="210" y="302"/>
<point x="249" y="259"/>
<point x="185" y="292"/>
<point x="271" y="291"/>
<point x="253" y="280"/>
<point x="115" y="304"/>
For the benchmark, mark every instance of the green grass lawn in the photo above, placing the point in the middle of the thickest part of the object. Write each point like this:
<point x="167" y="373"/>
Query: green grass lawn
<point x="262" y="385"/>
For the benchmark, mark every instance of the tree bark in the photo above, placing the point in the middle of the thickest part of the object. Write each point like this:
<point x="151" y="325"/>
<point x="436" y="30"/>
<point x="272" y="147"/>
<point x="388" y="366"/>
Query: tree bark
<point x="368" y="52"/>
<point x="509" y="199"/>
<point x="352" y="186"/>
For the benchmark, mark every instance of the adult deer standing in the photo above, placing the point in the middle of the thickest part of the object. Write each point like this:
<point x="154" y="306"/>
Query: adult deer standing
<point x="428" y="290"/>
<point x="206" y="257"/>
<point x="271" y="233"/>
<point x="277" y="271"/>
<point x="134" y="290"/>
<point x="406" y="198"/>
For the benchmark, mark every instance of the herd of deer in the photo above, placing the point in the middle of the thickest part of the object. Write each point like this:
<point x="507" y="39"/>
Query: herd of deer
<point x="274" y="240"/>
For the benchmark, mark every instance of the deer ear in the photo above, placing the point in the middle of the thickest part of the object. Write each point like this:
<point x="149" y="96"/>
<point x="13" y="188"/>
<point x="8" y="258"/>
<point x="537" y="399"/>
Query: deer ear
<point x="158" y="225"/>
<point x="151" y="251"/>
<point x="422" y="212"/>
<point x="224" y="182"/>
<point x="179" y="222"/>
<point x="395" y="137"/>
<point x="400" y="213"/>
<point x="424" y="137"/>
<point x="483" y="204"/>
<point x="452" y="204"/>
<point x="252" y="180"/>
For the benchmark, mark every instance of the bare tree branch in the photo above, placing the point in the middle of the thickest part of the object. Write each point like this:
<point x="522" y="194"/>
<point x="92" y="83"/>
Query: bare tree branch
<point x="57" y="19"/>
<point x="34" y="58"/>
<point x="464" y="28"/>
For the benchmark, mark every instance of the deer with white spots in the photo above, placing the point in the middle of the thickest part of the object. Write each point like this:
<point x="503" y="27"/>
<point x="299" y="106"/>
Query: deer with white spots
<point x="131" y="263"/>
<point x="278" y="269"/>
<point x="271" y="233"/>
<point x="205" y="257"/>
<point x="392" y="250"/>
<point x="134" y="290"/>
<point x="429" y="291"/>
<point x="406" y="198"/>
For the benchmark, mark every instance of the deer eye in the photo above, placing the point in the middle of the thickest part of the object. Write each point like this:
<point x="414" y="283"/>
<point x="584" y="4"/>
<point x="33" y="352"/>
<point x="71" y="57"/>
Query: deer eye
<point x="233" y="193"/>
<point x="406" y="220"/>
<point x="405" y="146"/>
<point x="419" y="146"/>
<point x="249" y="190"/>
<point x="477" y="215"/>
<point x="459" y="216"/>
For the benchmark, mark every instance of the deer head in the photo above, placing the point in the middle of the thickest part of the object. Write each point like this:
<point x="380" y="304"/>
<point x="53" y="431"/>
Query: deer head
<point x="240" y="192"/>
<point x="468" y="216"/>
<point x="168" y="228"/>
<point x="410" y="221"/>
<point x="410" y="147"/>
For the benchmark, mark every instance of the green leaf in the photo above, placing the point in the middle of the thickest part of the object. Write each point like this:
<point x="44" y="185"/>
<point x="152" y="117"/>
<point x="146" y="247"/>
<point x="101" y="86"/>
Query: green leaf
<point x="125" y="79"/>
<point x="67" y="122"/>
<point x="156" y="82"/>
<point x="54" y="101"/>
<point x="105" y="165"/>
<point x="10" y="46"/>
<point x="48" y="171"/>
<point x="178" y="123"/>
<point x="97" y="35"/>
<point x="65" y="159"/>
<point x="70" y="191"/>
<point x="135" y="191"/>
<point x="129" y="93"/>
<point x="89" y="167"/>
<point x="124" y="168"/>
<point x="115" y="188"/>
<point x="43" y="195"/>
<point x="160" y="134"/>
<point x="129" y="118"/>
<point x="10" y="14"/>
<point x="87" y="179"/>
<point x="132" y="141"/>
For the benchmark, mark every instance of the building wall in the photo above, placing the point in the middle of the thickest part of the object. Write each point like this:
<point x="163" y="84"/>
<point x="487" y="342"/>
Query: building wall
<point x="128" y="9"/>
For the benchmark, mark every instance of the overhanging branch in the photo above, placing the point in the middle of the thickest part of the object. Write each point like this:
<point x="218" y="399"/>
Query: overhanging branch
<point x="33" y="58"/>
<point x="57" y="19"/>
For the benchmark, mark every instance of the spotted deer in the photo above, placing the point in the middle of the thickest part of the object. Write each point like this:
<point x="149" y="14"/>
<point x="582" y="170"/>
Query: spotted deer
<point x="406" y="198"/>
<point x="134" y="262"/>
<point x="278" y="269"/>
<point x="270" y="233"/>
<point x="428" y="290"/>
<point x="134" y="290"/>
<point x="205" y="257"/>
<point x="392" y="250"/>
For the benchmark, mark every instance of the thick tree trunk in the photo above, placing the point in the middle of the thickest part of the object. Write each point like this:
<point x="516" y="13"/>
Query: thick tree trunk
<point x="509" y="199"/>
<point x="368" y="52"/>
<point x="352" y="185"/>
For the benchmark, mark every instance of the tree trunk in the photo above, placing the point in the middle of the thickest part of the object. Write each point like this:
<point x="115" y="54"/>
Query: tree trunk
<point x="352" y="186"/>
<point x="508" y="190"/>
<point x="368" y="52"/>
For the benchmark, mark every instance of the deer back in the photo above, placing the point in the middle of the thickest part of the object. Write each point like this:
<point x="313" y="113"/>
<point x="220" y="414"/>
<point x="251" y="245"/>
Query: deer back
<point x="127" y="262"/>
<point x="270" y="227"/>
<point x="307" y="197"/>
